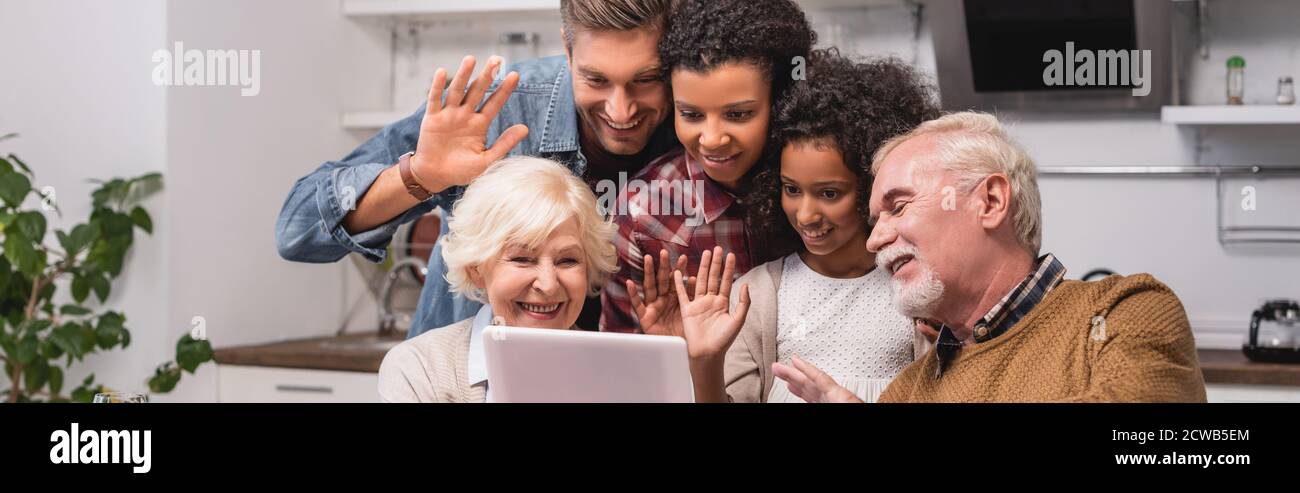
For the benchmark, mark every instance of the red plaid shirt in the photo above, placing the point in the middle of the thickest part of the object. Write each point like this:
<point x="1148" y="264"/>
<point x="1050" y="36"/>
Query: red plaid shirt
<point x="651" y="222"/>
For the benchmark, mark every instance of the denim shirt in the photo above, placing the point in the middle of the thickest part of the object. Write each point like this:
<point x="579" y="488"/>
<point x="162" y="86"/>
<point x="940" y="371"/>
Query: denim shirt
<point x="310" y="225"/>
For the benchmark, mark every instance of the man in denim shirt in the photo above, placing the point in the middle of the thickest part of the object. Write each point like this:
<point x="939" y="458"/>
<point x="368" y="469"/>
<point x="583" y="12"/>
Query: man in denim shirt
<point x="602" y="109"/>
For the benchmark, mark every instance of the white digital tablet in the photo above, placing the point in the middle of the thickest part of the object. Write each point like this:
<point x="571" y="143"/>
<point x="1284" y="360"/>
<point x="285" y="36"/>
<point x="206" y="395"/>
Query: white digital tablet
<point x="549" y="365"/>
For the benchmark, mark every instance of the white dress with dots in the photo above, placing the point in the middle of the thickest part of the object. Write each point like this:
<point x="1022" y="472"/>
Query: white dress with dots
<point x="849" y="328"/>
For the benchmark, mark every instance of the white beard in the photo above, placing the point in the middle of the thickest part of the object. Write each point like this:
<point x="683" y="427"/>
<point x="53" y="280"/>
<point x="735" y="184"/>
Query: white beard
<point x="920" y="298"/>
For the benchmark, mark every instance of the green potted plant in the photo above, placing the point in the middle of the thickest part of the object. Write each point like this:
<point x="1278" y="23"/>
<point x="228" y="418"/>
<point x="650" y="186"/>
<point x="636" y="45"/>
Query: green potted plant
<point x="40" y="338"/>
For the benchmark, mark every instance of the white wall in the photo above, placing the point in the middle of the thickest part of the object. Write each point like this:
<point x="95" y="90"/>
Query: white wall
<point x="77" y="89"/>
<point x="1164" y="226"/>
<point x="424" y="45"/>
<point x="234" y="159"/>
<point x="86" y="107"/>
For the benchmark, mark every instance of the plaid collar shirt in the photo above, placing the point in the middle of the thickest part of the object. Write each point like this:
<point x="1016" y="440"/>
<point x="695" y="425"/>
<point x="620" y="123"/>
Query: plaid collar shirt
<point x="1047" y="274"/>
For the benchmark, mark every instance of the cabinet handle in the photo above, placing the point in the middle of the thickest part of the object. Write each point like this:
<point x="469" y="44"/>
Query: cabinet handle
<point x="304" y="388"/>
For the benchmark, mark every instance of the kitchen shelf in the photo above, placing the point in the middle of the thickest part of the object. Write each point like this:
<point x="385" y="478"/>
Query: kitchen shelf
<point x="1171" y="171"/>
<point x="371" y="120"/>
<point x="377" y="8"/>
<point x="1229" y="231"/>
<point x="358" y="9"/>
<point x="1231" y="115"/>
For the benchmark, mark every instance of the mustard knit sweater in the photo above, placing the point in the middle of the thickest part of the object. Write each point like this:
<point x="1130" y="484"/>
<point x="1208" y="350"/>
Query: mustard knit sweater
<point x="1120" y="339"/>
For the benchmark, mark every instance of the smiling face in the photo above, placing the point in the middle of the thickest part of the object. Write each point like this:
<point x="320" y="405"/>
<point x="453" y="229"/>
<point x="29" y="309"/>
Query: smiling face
<point x="926" y="248"/>
<point x="722" y="117"/>
<point x="819" y="194"/>
<point x="543" y="287"/>
<point x="618" y="87"/>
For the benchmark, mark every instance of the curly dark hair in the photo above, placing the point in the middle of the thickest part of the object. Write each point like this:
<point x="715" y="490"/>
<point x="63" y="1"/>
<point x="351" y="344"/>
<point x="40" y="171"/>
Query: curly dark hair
<point x="852" y="107"/>
<point x="704" y="34"/>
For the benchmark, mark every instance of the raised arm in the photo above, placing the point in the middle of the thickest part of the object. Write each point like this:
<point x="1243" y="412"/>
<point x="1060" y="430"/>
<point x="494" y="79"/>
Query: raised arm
<point x="356" y="204"/>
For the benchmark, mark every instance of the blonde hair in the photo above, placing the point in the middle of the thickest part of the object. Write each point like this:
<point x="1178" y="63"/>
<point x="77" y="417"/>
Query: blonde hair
<point x="520" y="201"/>
<point x="975" y="145"/>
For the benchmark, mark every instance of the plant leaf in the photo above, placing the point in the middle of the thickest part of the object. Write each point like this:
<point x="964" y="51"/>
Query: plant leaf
<point x="87" y="390"/>
<point x="164" y="378"/>
<point x="109" y="331"/>
<point x="108" y="254"/>
<point x="36" y="374"/>
<point x="116" y="224"/>
<point x="34" y="327"/>
<point x="56" y="380"/>
<point x="49" y="350"/>
<point x="10" y="349"/>
<point x="99" y="197"/>
<point x="74" y="310"/>
<point x="111" y="191"/>
<point x="99" y="283"/>
<point x="14" y="187"/>
<point x="148" y="177"/>
<point x="31" y="224"/>
<point x="27" y="350"/>
<point x="4" y="280"/>
<point x="141" y="219"/>
<point x="68" y="338"/>
<point x="21" y="253"/>
<point x="81" y="236"/>
<point x="80" y="287"/>
<point x="88" y="339"/>
<point x="38" y="266"/>
<point x="191" y="353"/>
<point x="46" y="294"/>
<point x="19" y="162"/>
<point x="63" y="240"/>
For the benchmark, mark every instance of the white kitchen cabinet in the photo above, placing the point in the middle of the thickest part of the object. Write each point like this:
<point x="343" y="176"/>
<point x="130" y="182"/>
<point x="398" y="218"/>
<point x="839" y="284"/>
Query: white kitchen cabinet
<point x="1230" y="393"/>
<point x="260" y="384"/>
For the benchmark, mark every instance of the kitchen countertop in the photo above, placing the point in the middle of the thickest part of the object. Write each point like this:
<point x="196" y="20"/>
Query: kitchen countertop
<point x="349" y="352"/>
<point x="365" y="351"/>
<point x="1230" y="366"/>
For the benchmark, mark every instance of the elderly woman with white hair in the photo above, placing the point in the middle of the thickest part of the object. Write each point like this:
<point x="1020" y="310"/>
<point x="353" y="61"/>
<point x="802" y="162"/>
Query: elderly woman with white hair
<point x="531" y="254"/>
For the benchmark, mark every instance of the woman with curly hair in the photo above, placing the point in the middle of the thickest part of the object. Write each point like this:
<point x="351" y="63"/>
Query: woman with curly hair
<point x="728" y="62"/>
<point x="820" y="298"/>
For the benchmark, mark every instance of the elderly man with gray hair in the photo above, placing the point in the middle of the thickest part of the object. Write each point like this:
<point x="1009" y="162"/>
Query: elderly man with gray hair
<point x="956" y="222"/>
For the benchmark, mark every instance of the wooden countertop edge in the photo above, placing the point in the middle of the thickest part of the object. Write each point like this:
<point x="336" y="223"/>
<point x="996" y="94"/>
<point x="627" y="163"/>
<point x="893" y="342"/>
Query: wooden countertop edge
<point x="238" y="357"/>
<point x="1230" y="366"/>
<point x="309" y="354"/>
